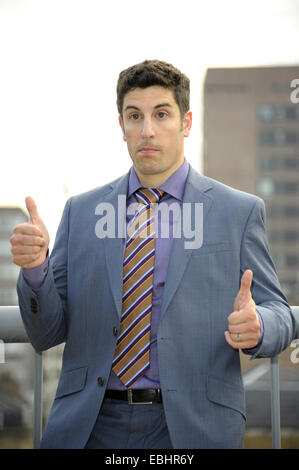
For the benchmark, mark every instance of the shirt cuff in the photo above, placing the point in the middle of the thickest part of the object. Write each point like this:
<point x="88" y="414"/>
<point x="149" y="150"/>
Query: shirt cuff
<point x="36" y="276"/>
<point x="254" y="350"/>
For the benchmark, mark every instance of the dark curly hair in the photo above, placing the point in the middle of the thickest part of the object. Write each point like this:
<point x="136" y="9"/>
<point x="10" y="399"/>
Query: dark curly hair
<point x="154" y="72"/>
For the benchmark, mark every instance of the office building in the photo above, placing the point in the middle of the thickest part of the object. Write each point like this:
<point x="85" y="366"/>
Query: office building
<point x="251" y="142"/>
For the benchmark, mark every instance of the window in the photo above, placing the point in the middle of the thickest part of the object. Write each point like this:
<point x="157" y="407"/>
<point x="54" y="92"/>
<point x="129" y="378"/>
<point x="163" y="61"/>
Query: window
<point x="283" y="261"/>
<point x="287" y="236"/>
<point x="271" y="162"/>
<point x="277" y="113"/>
<point x="267" y="187"/>
<point x="278" y="137"/>
<point x="283" y="212"/>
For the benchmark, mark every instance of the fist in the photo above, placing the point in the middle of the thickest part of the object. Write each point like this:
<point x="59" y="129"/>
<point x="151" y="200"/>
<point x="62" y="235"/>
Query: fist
<point x="244" y="327"/>
<point x="30" y="241"/>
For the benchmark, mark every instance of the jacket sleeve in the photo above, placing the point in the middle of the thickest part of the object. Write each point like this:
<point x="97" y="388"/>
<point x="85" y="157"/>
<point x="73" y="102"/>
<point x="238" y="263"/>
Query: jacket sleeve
<point x="43" y="310"/>
<point x="278" y="320"/>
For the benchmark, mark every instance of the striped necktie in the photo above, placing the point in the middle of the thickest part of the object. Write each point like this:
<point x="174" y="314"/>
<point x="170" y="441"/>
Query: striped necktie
<point x="132" y="353"/>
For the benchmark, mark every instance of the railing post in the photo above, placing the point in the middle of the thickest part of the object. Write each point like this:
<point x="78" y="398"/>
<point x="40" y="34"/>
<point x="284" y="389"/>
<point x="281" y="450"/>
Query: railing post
<point x="38" y="399"/>
<point x="275" y="403"/>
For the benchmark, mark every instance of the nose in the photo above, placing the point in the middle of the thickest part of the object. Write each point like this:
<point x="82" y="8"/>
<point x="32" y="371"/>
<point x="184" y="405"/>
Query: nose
<point x="147" y="129"/>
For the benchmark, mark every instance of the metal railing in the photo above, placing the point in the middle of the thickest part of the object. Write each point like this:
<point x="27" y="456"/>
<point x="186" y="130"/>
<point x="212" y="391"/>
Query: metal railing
<point x="275" y="398"/>
<point x="12" y="331"/>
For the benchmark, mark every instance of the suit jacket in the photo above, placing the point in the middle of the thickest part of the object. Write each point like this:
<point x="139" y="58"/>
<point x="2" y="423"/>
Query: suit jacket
<point x="79" y="303"/>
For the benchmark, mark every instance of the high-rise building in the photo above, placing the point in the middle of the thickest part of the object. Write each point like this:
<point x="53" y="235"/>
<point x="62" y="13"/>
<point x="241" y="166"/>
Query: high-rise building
<point x="251" y="142"/>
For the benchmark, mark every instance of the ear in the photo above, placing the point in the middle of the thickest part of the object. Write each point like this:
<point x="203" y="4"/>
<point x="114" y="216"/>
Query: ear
<point x="187" y="123"/>
<point x="122" y="127"/>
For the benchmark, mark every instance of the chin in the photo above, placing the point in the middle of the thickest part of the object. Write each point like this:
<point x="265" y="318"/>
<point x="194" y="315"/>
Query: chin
<point x="149" y="168"/>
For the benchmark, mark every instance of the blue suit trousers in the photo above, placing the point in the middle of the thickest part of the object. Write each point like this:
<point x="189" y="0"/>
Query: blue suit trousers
<point x="123" y="426"/>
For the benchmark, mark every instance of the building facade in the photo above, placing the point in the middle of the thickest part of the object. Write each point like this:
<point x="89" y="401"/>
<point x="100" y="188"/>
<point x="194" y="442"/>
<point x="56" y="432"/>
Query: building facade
<point x="251" y="142"/>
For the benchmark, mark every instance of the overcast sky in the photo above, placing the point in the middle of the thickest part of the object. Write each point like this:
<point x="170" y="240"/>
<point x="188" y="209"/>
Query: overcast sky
<point x="60" y="59"/>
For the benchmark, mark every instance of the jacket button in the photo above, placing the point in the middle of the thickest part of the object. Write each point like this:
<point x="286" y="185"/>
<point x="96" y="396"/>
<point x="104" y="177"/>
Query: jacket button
<point x="115" y="331"/>
<point x="33" y="305"/>
<point x="100" y="381"/>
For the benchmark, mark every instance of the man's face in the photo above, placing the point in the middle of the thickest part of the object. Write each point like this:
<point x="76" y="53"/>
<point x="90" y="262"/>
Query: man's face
<point x="154" y="131"/>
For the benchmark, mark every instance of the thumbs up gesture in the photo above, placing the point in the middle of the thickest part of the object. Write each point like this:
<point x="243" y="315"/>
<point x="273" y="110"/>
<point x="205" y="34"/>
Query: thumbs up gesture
<point x="243" y="323"/>
<point x="30" y="241"/>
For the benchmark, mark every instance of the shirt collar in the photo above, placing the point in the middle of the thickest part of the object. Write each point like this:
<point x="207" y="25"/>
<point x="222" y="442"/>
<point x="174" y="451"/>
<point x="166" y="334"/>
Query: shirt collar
<point x="174" y="185"/>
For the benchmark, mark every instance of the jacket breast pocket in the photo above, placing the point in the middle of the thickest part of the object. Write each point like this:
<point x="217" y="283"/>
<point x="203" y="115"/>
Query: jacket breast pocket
<point x="208" y="248"/>
<point x="71" y="381"/>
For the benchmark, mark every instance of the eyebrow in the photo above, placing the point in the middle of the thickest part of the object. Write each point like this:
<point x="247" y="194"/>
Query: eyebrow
<point x="160" y="105"/>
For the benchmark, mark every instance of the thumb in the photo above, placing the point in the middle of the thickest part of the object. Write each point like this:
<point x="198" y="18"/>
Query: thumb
<point x="244" y="295"/>
<point x="246" y="281"/>
<point x="32" y="209"/>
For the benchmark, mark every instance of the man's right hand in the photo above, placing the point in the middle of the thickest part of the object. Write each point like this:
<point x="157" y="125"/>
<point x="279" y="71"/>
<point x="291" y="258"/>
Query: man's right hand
<point x="30" y="241"/>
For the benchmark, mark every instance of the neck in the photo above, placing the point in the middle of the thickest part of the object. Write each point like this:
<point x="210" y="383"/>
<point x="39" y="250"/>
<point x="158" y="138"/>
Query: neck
<point x="156" y="179"/>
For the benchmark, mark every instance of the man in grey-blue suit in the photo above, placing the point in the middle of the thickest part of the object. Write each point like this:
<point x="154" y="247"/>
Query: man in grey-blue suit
<point x="215" y="290"/>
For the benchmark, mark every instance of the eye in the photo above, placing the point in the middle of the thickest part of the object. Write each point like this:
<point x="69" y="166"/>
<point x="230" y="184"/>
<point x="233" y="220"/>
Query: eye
<point x="161" y="114"/>
<point x="134" y="116"/>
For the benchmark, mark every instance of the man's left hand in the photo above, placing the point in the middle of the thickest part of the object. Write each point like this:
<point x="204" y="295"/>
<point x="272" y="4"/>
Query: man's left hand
<point x="243" y="323"/>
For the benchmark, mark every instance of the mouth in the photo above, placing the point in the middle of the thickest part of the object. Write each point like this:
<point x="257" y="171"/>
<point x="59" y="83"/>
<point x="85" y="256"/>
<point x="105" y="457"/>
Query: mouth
<point x="148" y="150"/>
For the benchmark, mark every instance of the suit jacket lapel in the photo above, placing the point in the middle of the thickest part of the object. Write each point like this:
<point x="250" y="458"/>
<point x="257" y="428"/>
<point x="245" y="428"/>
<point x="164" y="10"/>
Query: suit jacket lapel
<point x="195" y="192"/>
<point x="114" y="245"/>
